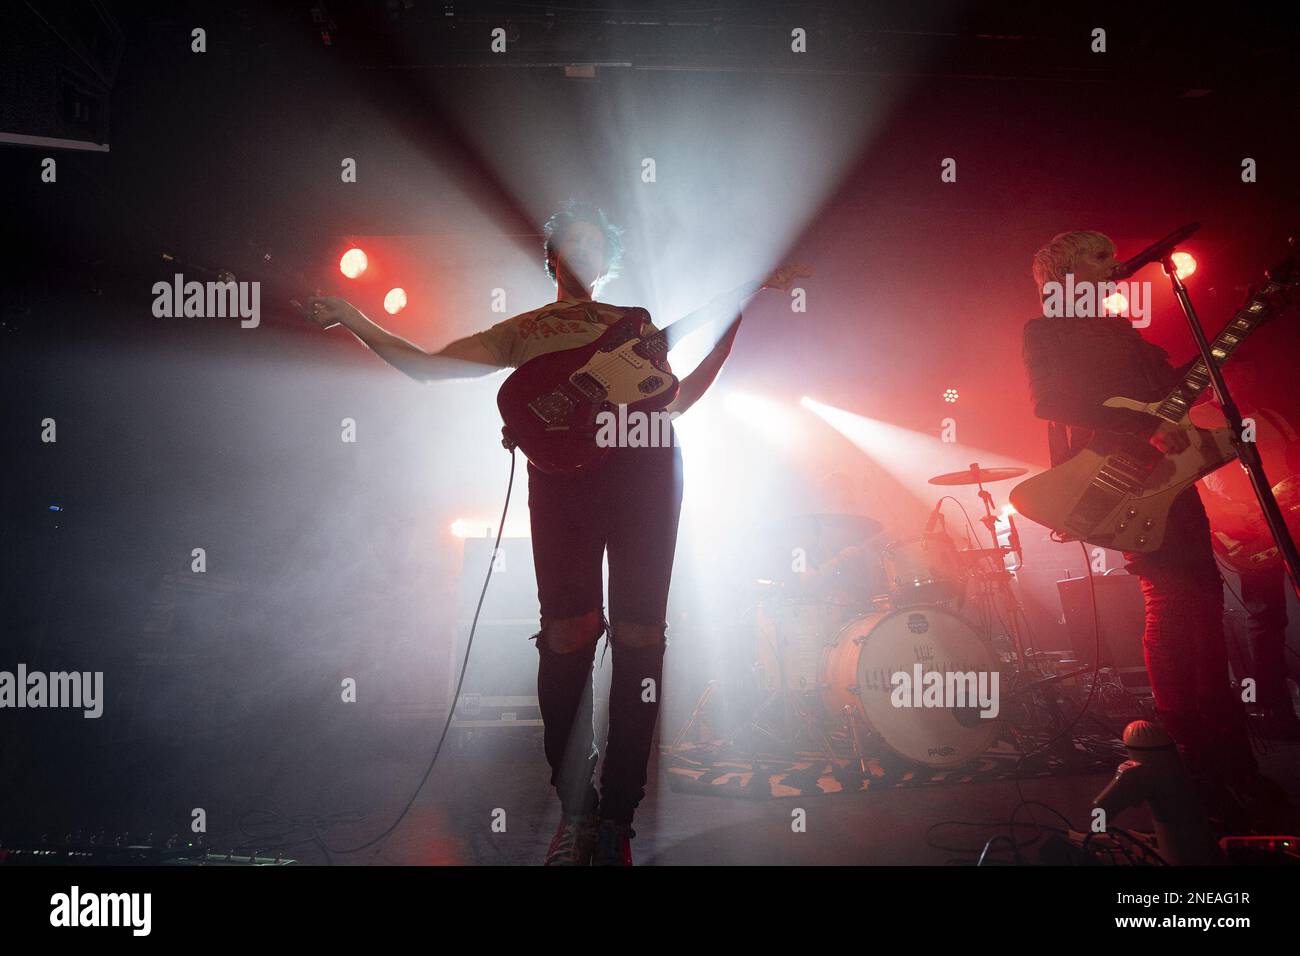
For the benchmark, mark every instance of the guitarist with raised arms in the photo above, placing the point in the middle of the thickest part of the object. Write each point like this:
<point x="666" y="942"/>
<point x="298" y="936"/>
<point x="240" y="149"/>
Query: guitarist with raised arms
<point x="1074" y="364"/>
<point x="626" y="502"/>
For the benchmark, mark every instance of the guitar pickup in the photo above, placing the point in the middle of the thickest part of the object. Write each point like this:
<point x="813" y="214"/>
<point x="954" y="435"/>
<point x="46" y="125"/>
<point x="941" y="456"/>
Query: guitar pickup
<point x="1126" y="472"/>
<point x="1097" y="502"/>
<point x="587" y="383"/>
<point x="631" y="359"/>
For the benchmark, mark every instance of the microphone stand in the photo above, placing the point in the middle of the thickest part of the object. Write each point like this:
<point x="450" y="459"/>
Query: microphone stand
<point x="1247" y="453"/>
<point x="1002" y="575"/>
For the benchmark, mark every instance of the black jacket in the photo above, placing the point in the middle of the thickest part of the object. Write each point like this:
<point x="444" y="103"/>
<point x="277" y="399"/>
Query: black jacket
<point x="1075" y="364"/>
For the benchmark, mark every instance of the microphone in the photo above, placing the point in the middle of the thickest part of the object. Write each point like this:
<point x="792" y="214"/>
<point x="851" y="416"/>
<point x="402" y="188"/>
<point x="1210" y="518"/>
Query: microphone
<point x="934" y="517"/>
<point x="1154" y="252"/>
<point x="1013" y="538"/>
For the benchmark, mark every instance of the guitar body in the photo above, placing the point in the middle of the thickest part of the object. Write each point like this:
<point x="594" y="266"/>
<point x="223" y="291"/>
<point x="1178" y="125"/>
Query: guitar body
<point x="550" y="404"/>
<point x="1117" y="491"/>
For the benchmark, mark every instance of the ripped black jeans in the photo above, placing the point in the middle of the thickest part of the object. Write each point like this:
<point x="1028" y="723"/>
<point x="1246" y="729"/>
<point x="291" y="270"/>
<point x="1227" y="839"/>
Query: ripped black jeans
<point x="628" y="505"/>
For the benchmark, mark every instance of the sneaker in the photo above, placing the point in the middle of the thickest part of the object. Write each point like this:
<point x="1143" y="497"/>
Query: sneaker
<point x="574" y="840"/>
<point x="613" y="844"/>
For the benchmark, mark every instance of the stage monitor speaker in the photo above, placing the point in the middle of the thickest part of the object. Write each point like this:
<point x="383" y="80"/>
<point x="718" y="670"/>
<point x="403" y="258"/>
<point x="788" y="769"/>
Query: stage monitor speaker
<point x="500" y="688"/>
<point x="1120" y="618"/>
<point x="512" y="592"/>
<point x="1041" y="602"/>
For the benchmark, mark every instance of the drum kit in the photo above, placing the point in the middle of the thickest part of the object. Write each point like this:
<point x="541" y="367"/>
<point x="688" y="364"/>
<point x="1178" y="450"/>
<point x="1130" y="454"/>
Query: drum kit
<point x="826" y="654"/>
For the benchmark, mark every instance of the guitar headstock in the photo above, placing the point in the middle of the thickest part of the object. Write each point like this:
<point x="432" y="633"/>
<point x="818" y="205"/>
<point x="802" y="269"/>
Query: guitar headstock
<point x="782" y="277"/>
<point x="1283" y="284"/>
<point x="1287" y="272"/>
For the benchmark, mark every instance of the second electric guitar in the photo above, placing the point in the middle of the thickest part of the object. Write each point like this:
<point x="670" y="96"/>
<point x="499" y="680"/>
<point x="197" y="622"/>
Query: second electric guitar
<point x="1116" y="492"/>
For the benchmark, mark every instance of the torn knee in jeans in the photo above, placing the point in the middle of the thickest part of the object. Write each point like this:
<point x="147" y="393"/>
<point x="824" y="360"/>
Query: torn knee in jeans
<point x="624" y="634"/>
<point x="567" y="635"/>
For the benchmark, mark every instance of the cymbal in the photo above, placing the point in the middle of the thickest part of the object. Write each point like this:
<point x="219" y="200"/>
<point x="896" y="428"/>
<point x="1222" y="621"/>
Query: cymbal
<point x="976" y="475"/>
<point x="797" y="526"/>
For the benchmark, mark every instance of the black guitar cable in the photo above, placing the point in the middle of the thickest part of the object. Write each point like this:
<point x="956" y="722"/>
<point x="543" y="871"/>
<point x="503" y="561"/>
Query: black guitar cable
<point x="464" y="665"/>
<point x="1068" y="730"/>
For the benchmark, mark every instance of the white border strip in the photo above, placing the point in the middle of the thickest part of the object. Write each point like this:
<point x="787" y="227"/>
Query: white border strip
<point x="21" y="139"/>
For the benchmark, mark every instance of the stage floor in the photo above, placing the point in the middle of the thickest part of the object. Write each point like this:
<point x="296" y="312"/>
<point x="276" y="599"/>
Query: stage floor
<point x="452" y="821"/>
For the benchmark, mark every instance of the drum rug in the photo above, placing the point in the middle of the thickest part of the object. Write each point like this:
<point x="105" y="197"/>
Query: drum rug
<point x="713" y="768"/>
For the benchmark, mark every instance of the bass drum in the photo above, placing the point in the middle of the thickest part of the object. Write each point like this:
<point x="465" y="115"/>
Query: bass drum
<point x="857" y="671"/>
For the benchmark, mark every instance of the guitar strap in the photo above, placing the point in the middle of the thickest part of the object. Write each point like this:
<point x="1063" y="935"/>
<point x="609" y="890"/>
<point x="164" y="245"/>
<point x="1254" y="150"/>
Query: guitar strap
<point x="1058" y="442"/>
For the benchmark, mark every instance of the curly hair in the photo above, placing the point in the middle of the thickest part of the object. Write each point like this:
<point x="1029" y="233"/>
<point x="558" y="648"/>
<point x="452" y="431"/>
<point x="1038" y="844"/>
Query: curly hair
<point x="575" y="211"/>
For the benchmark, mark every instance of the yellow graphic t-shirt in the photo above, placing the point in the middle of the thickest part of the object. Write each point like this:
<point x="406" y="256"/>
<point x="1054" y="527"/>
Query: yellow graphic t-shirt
<point x="567" y="324"/>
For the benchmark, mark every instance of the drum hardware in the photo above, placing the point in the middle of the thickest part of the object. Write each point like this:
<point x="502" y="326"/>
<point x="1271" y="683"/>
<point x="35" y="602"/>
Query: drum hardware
<point x="972" y="556"/>
<point x="826" y="682"/>
<point x="791" y="636"/>
<point x="696" y="718"/>
<point x="795" y="722"/>
<point x="998" y="577"/>
<point x="1107" y="687"/>
<point x="851" y="722"/>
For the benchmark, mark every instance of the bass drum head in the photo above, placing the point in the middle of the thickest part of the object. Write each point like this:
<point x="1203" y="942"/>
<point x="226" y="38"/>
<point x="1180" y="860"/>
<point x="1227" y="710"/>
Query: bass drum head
<point x="939" y="641"/>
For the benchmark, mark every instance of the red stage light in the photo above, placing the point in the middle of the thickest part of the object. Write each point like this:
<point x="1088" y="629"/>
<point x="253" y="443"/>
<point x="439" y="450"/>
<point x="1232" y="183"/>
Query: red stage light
<point x="395" y="301"/>
<point x="1184" y="264"/>
<point x="353" y="263"/>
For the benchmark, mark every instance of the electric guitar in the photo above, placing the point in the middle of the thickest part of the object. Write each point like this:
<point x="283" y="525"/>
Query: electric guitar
<point x="1116" y="492"/>
<point x="550" y="403"/>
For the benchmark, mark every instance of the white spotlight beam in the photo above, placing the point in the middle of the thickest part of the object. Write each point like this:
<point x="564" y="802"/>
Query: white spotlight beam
<point x="911" y="458"/>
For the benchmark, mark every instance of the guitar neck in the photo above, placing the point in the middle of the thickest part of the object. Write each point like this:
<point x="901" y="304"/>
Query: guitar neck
<point x="1247" y="319"/>
<point x="722" y="307"/>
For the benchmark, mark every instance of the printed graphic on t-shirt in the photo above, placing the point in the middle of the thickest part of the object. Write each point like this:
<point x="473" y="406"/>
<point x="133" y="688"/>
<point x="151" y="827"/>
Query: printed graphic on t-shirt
<point x="552" y="328"/>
